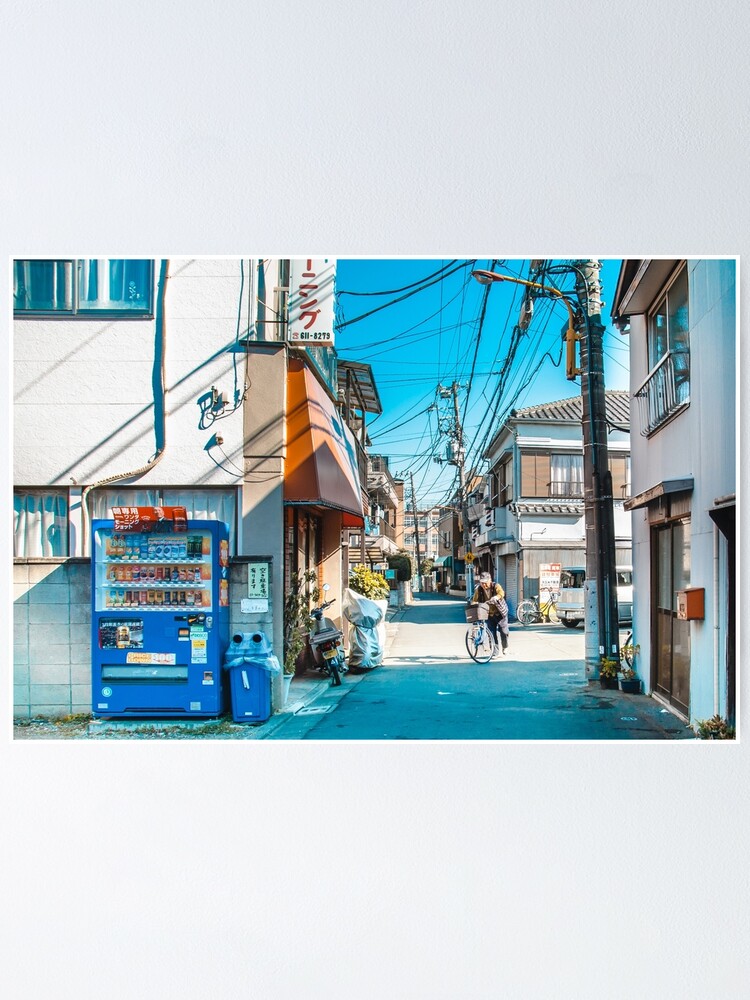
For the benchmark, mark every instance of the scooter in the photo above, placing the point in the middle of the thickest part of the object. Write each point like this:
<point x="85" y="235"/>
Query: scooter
<point x="325" y="642"/>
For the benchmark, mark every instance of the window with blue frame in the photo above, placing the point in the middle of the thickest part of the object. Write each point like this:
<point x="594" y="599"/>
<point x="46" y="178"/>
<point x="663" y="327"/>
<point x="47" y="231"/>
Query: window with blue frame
<point x="83" y="286"/>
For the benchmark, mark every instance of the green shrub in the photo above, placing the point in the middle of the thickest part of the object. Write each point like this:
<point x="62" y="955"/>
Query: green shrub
<point x="401" y="562"/>
<point x="368" y="583"/>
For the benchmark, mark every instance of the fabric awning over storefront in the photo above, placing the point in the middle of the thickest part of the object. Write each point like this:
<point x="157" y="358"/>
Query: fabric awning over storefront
<point x="321" y="460"/>
<point x="444" y="561"/>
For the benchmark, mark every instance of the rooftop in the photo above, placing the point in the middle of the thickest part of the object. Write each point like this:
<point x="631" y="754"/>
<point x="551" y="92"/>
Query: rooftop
<point x="571" y="409"/>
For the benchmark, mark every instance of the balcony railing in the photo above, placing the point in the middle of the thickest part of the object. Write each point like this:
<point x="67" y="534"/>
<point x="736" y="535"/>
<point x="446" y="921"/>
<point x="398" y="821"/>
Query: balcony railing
<point x="565" y="489"/>
<point x="665" y="392"/>
<point x="381" y="527"/>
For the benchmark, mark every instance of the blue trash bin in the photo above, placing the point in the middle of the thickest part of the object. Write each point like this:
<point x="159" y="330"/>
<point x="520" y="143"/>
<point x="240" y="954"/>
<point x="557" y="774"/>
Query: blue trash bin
<point x="251" y="666"/>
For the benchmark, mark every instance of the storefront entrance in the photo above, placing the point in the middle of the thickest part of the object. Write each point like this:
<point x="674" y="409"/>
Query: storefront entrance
<point x="670" y="667"/>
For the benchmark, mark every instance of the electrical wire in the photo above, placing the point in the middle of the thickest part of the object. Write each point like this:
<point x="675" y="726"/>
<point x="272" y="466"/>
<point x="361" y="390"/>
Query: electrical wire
<point x="401" y="298"/>
<point x="395" y="291"/>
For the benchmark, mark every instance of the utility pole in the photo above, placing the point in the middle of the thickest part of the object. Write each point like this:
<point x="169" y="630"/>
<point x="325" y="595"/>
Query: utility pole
<point x="416" y="527"/>
<point x="600" y="588"/>
<point x="459" y="461"/>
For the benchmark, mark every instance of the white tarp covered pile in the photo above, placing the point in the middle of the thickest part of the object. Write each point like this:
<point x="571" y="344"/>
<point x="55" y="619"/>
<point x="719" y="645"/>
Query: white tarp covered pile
<point x="366" y="630"/>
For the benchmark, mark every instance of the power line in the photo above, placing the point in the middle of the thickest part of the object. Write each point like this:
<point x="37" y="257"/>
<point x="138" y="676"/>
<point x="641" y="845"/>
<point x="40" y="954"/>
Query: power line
<point x="393" y="302"/>
<point x="395" y="291"/>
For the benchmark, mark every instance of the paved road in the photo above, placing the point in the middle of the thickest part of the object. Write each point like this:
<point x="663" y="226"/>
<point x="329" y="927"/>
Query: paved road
<point x="429" y="689"/>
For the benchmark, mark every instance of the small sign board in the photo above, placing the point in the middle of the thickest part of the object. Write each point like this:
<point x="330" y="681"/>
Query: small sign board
<point x="258" y="580"/>
<point x="549" y="576"/>
<point x="147" y="518"/>
<point x="253" y="605"/>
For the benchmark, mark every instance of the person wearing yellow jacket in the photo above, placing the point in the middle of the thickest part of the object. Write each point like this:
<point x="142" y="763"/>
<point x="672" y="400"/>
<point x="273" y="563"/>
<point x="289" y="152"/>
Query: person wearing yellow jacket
<point x="493" y="594"/>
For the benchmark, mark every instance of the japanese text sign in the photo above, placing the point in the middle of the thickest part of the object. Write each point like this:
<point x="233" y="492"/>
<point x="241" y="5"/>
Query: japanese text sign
<point x="140" y="518"/>
<point x="258" y="580"/>
<point x="311" y="283"/>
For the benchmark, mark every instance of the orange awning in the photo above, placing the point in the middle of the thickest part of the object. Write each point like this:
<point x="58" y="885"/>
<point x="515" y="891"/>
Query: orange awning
<point x="321" y="459"/>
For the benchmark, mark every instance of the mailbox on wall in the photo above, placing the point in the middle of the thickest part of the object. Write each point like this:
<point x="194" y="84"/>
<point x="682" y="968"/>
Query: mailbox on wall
<point x="691" y="603"/>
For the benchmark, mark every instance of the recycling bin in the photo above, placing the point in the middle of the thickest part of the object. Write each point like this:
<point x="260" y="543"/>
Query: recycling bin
<point x="251" y="666"/>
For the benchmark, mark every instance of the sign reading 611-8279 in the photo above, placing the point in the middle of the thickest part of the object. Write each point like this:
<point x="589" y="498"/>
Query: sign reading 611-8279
<point x="311" y="283"/>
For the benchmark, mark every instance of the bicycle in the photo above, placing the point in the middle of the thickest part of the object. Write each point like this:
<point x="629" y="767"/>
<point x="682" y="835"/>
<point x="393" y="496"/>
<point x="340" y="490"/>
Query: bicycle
<point x="480" y="643"/>
<point x="531" y="612"/>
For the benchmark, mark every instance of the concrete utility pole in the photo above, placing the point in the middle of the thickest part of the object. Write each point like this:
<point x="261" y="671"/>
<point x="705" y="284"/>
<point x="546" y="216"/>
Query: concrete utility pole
<point x="416" y="528"/>
<point x="458" y="461"/>
<point x="600" y="588"/>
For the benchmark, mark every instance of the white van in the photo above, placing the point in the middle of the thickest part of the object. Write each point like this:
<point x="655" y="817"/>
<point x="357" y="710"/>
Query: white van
<point x="570" y="602"/>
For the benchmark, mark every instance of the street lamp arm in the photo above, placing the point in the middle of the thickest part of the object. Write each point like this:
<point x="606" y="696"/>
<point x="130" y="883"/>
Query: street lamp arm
<point x="487" y="277"/>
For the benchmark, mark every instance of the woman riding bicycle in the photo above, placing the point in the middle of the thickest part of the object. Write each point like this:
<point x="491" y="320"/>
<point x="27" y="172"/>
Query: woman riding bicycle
<point x="494" y="596"/>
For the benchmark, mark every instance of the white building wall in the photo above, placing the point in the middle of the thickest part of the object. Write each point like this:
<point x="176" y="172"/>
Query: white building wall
<point x="700" y="443"/>
<point x="84" y="387"/>
<point x="84" y="410"/>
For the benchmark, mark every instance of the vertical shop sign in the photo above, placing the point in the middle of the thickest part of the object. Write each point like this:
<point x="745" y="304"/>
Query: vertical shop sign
<point x="311" y="283"/>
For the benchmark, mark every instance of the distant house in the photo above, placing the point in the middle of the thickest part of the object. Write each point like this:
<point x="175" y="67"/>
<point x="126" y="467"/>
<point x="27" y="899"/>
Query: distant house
<point x="680" y="317"/>
<point x="530" y="510"/>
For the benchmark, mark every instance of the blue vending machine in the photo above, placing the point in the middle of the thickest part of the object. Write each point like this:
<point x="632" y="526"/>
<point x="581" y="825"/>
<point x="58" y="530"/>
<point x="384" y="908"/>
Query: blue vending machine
<point x="160" y="615"/>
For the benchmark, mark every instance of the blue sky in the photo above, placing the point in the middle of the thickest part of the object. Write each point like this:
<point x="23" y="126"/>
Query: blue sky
<point x="430" y="338"/>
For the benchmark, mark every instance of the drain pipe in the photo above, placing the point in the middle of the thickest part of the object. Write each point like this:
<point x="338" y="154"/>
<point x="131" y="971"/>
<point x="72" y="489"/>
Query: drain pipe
<point x="161" y="428"/>
<point x="716" y="620"/>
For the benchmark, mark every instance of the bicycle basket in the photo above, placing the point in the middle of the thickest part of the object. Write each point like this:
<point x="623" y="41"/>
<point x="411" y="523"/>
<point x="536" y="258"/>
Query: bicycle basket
<point x="477" y="612"/>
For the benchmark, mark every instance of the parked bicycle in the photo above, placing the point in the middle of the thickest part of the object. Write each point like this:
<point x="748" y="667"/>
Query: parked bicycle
<point x="480" y="643"/>
<point x="532" y="612"/>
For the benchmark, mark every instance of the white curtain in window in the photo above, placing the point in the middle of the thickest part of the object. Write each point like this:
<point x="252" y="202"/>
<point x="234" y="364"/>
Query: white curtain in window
<point x="114" y="284"/>
<point x="104" y="500"/>
<point x="40" y="524"/>
<point x="208" y="505"/>
<point x="566" y="472"/>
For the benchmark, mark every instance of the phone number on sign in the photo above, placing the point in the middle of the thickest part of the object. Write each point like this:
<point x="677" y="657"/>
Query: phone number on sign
<point x="318" y="337"/>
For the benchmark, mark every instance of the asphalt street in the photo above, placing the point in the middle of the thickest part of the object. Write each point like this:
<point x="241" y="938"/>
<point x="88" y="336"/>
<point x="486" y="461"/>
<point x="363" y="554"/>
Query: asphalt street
<point x="429" y="689"/>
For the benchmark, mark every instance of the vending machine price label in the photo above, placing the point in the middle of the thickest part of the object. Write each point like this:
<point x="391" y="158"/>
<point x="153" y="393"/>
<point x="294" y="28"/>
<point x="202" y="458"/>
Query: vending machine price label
<point x="167" y="658"/>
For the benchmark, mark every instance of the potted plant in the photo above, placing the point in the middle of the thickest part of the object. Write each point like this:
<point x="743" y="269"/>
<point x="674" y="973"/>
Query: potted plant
<point x="630" y="683"/>
<point x="297" y="621"/>
<point x="608" y="668"/>
<point x="714" y="728"/>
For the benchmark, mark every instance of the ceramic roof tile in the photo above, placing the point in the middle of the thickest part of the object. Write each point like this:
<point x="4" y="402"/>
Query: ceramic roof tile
<point x="571" y="409"/>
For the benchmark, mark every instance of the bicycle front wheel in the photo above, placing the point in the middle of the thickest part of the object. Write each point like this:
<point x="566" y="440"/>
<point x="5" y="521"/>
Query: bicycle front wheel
<point x="479" y="643"/>
<point x="552" y="613"/>
<point x="527" y="613"/>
